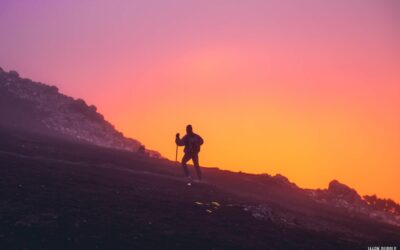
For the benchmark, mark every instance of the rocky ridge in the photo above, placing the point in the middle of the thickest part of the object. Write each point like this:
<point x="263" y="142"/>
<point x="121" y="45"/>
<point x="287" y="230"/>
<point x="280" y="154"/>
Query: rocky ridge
<point x="36" y="106"/>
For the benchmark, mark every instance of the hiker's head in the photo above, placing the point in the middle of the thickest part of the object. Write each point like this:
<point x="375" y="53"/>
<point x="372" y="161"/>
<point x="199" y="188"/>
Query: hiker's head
<point x="189" y="129"/>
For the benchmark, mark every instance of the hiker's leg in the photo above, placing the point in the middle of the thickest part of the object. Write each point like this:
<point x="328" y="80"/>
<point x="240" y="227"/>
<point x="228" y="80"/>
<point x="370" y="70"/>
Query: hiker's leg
<point x="195" y="159"/>
<point x="185" y="159"/>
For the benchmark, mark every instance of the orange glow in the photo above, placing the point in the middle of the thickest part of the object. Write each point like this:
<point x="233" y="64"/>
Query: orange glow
<point x="252" y="122"/>
<point x="307" y="89"/>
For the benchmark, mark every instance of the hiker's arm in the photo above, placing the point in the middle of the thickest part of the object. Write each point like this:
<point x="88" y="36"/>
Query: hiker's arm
<point x="179" y="141"/>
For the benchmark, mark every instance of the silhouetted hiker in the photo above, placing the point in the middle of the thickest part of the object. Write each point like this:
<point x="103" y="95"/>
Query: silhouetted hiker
<point x="192" y="143"/>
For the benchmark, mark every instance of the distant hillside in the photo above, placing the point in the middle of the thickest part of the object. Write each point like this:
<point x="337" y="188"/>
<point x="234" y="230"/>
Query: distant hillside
<point x="37" y="107"/>
<point x="341" y="196"/>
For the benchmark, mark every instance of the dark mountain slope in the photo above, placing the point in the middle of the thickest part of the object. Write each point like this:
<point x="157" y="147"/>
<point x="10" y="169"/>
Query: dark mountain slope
<point x="59" y="194"/>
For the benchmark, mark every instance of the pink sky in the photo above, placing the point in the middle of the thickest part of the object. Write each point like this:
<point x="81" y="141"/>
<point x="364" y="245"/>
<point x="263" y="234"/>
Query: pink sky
<point x="308" y="89"/>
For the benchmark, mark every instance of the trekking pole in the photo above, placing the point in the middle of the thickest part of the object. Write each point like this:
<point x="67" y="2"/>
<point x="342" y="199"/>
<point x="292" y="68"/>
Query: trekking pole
<point x="176" y="154"/>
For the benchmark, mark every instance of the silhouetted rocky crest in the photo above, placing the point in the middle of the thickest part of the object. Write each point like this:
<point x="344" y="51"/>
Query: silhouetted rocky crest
<point x="338" y="190"/>
<point x="387" y="205"/>
<point x="283" y="181"/>
<point x="38" y="107"/>
<point x="341" y="196"/>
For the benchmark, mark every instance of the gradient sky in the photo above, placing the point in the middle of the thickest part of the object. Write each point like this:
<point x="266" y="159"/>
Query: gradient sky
<point x="307" y="89"/>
